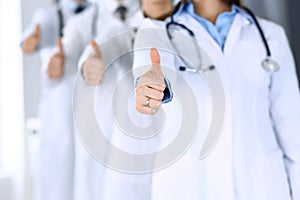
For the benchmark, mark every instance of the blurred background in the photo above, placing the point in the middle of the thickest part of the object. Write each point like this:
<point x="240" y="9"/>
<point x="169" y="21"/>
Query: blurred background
<point x="19" y="87"/>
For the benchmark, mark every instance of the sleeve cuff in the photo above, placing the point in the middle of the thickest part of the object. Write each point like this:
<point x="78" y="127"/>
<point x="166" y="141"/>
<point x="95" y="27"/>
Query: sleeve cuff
<point x="168" y="94"/>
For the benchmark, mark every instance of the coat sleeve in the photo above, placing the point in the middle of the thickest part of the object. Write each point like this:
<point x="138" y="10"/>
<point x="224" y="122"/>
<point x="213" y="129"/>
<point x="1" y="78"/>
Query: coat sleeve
<point x="86" y="53"/>
<point x="285" y="111"/>
<point x="47" y="19"/>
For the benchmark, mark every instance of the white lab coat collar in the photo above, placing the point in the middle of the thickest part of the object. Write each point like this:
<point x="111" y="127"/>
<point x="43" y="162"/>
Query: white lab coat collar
<point x="206" y="41"/>
<point x="135" y="19"/>
<point x="203" y="38"/>
<point x="111" y="6"/>
<point x="239" y="22"/>
<point x="70" y="5"/>
<point x="133" y="6"/>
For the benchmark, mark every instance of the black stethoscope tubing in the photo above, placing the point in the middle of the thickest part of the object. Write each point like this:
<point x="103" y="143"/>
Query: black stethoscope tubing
<point x="267" y="63"/>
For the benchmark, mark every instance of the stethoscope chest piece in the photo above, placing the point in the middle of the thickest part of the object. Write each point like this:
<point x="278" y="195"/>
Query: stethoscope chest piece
<point x="270" y="65"/>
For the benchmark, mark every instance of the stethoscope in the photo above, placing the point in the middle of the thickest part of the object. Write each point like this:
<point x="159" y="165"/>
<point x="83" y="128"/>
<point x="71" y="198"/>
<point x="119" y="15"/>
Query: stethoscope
<point x="60" y="18"/>
<point x="268" y="63"/>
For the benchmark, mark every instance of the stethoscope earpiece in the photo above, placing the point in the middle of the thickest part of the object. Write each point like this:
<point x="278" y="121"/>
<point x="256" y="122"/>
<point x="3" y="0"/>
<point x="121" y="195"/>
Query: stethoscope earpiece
<point x="270" y="65"/>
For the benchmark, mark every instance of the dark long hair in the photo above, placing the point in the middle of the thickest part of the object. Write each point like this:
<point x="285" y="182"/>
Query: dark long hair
<point x="236" y="2"/>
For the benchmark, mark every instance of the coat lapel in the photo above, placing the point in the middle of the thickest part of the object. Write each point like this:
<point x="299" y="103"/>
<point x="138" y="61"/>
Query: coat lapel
<point x="233" y="36"/>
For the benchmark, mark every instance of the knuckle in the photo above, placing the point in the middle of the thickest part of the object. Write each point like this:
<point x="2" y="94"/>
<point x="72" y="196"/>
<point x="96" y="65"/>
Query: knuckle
<point x="137" y="107"/>
<point x="161" y="96"/>
<point x="153" y="111"/>
<point x="140" y="109"/>
<point x="156" y="104"/>
<point x="159" y="104"/>
<point x="139" y="89"/>
<point x="137" y="99"/>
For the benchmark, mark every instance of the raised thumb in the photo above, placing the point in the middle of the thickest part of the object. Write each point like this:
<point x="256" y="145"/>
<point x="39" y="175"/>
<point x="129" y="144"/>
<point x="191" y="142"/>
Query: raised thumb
<point x="95" y="48"/>
<point x="59" y="45"/>
<point x="37" y="29"/>
<point x="155" y="58"/>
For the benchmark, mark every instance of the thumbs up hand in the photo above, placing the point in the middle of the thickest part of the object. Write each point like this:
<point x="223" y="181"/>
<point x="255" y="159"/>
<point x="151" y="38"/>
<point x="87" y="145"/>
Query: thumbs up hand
<point x="55" y="68"/>
<point x="151" y="86"/>
<point x="93" y="68"/>
<point x="31" y="43"/>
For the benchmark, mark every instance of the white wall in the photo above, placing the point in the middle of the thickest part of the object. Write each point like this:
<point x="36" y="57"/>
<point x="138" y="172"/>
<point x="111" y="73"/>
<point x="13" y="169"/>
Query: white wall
<point x="12" y="139"/>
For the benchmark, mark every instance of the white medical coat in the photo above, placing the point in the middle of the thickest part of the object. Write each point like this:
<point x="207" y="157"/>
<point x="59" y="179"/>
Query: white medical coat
<point x="258" y="154"/>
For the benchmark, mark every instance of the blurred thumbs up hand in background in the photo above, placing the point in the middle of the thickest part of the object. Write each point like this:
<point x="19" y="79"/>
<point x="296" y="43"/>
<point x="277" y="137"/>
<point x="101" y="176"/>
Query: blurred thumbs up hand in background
<point x="93" y="68"/>
<point x="55" y="68"/>
<point x="31" y="43"/>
